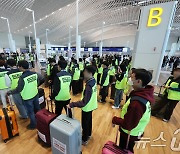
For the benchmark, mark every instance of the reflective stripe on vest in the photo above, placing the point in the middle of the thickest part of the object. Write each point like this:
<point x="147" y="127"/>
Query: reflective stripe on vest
<point x="30" y="89"/>
<point x="2" y="80"/>
<point x="139" y="129"/>
<point x="76" y="74"/>
<point x="92" y="104"/>
<point x="14" y="79"/>
<point x="64" y="93"/>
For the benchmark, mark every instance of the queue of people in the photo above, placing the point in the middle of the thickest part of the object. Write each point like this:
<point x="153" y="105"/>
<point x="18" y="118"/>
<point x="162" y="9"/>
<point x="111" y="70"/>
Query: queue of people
<point x="94" y="78"/>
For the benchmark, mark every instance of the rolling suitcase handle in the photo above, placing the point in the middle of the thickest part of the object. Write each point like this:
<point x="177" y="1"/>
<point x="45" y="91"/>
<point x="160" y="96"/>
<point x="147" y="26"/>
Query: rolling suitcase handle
<point x="10" y="102"/>
<point x="127" y="138"/>
<point x="71" y="113"/>
<point x="48" y="106"/>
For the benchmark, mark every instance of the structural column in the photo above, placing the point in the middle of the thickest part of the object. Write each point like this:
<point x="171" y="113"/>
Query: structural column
<point x="152" y="37"/>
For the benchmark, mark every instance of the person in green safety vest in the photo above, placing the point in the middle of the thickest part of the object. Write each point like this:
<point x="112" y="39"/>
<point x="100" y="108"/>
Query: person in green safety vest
<point x="136" y="112"/>
<point x="88" y="103"/>
<point x="13" y="77"/>
<point x="170" y="98"/>
<point x="3" y="84"/>
<point x="120" y="85"/>
<point x="112" y="72"/>
<point x="76" y="77"/>
<point x="104" y="82"/>
<point x="61" y="88"/>
<point x="28" y="88"/>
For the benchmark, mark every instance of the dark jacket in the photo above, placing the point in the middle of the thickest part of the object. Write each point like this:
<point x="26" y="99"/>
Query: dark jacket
<point x="57" y="83"/>
<point x="87" y="94"/>
<point x="135" y="111"/>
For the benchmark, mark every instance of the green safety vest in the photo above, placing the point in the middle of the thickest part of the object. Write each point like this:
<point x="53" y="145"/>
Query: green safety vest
<point x="32" y="58"/>
<point x="71" y="66"/>
<point x="81" y="66"/>
<point x="172" y="94"/>
<point x="49" y="70"/>
<point x="112" y="71"/>
<point x="2" y="80"/>
<point x="30" y="89"/>
<point x="14" y="79"/>
<point x="139" y="129"/>
<point x="22" y="58"/>
<point x="92" y="104"/>
<point x="100" y="70"/>
<point x="64" y="93"/>
<point x="121" y="84"/>
<point x="76" y="75"/>
<point x="116" y="62"/>
<point x="106" y="82"/>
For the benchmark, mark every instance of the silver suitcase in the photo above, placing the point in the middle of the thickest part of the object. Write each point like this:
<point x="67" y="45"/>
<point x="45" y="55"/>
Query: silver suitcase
<point x="65" y="135"/>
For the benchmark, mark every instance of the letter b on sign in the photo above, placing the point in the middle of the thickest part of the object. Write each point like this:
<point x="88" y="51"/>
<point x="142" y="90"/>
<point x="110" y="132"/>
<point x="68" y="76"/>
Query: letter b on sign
<point x="155" y="19"/>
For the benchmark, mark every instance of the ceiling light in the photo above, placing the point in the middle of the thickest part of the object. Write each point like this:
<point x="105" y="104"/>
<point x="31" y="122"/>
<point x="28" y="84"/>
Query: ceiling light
<point x="104" y="22"/>
<point x="68" y="5"/>
<point x="60" y="9"/>
<point x="52" y="13"/>
<point x="26" y="27"/>
<point x="30" y="25"/>
<point x="46" y="16"/>
<point x="3" y="18"/>
<point x="40" y="19"/>
<point x="29" y="10"/>
<point x="144" y="1"/>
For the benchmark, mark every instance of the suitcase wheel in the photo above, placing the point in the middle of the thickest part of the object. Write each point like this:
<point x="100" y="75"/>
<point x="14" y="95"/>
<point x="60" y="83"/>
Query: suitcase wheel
<point x="5" y="140"/>
<point x="17" y="134"/>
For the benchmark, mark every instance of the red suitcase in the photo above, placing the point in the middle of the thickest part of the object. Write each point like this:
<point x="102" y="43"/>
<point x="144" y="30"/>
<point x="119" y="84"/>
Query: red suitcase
<point x="112" y="148"/>
<point x="44" y="117"/>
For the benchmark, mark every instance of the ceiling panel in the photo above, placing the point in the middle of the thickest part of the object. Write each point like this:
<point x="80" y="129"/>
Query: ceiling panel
<point x="57" y="15"/>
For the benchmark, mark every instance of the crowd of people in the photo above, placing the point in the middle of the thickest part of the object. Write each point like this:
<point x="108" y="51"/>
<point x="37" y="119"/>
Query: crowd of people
<point x="94" y="78"/>
<point x="170" y="62"/>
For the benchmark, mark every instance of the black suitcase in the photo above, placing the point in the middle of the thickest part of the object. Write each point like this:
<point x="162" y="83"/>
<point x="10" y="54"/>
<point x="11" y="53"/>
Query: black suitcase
<point x="42" y="102"/>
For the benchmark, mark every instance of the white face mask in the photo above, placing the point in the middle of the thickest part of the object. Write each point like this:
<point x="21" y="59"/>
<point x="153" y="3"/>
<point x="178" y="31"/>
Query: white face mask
<point x="130" y="82"/>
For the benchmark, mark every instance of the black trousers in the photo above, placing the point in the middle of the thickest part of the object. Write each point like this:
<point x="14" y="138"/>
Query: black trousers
<point x="75" y="87"/>
<point x="80" y="85"/>
<point x="123" y="142"/>
<point x="86" y="125"/>
<point x="104" y="93"/>
<point x="60" y="105"/>
<point x="165" y="104"/>
<point x="32" y="64"/>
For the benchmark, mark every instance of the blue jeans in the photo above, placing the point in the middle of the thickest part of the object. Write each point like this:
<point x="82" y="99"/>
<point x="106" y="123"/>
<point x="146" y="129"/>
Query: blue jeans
<point x="32" y="106"/>
<point x="20" y="105"/>
<point x="118" y="97"/>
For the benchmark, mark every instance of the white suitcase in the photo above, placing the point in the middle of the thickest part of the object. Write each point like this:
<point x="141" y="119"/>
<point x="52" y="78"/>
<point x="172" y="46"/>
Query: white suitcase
<point x="65" y="135"/>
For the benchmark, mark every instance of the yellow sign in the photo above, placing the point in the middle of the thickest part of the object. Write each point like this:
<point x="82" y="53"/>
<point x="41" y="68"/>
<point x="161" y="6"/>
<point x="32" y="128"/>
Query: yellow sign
<point x="157" y="17"/>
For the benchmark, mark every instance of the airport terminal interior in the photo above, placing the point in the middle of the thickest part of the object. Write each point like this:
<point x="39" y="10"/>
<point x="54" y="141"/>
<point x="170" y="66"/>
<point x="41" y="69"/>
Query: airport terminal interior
<point x="89" y="76"/>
